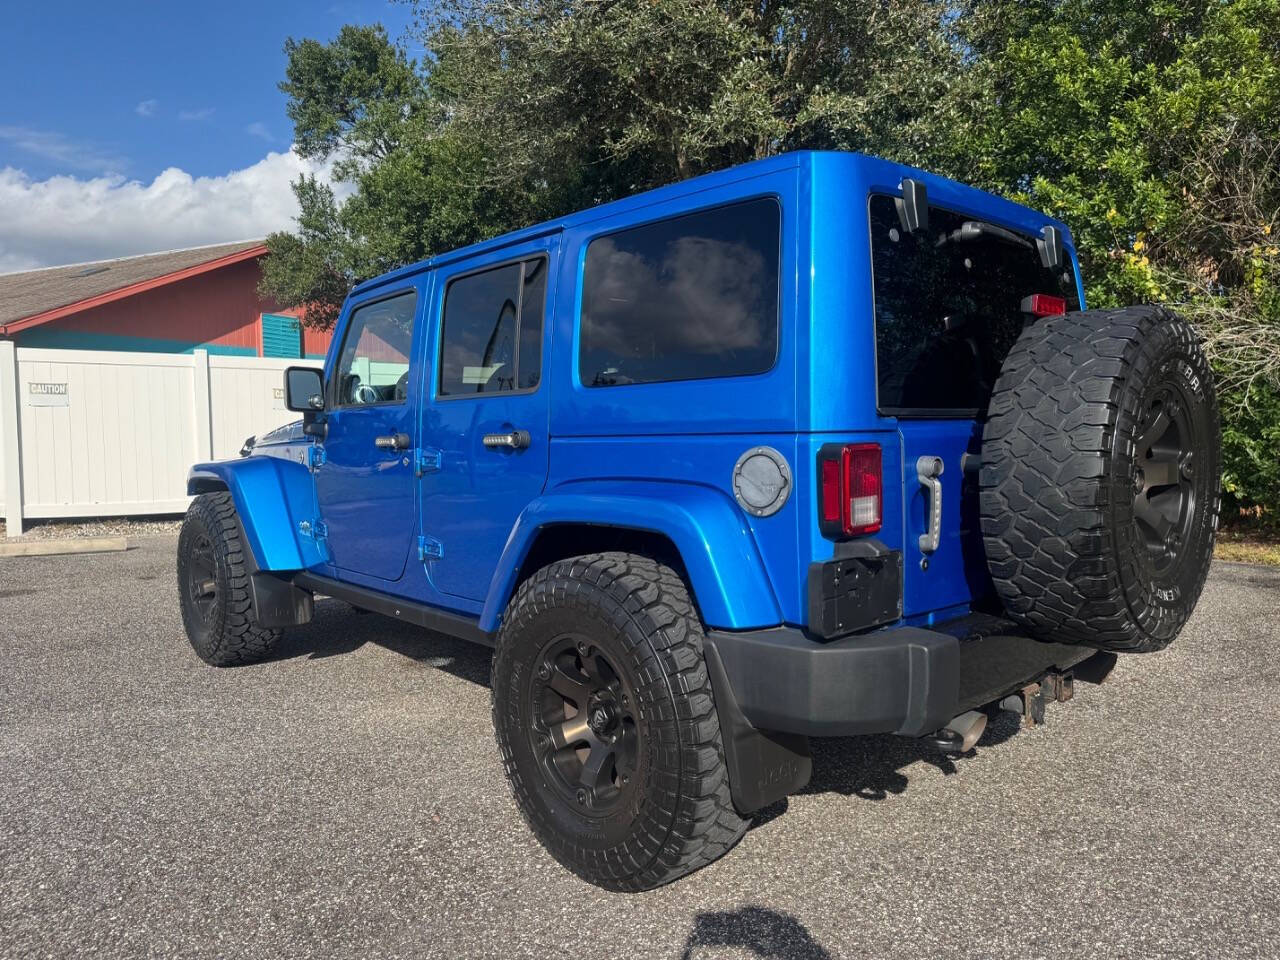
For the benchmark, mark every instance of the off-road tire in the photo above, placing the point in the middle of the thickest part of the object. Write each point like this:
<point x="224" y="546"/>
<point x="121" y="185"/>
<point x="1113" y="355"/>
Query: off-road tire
<point x="636" y="613"/>
<point x="1063" y="483"/>
<point x="211" y="549"/>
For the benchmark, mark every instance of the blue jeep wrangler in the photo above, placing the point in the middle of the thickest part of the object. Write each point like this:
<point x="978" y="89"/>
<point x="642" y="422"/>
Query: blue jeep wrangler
<point x="816" y="446"/>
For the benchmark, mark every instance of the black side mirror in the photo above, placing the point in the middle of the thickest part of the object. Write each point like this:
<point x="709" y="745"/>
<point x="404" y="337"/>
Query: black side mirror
<point x="303" y="389"/>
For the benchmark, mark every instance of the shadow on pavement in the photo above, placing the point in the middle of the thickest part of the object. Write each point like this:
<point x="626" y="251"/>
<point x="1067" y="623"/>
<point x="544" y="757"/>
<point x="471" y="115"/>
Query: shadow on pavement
<point x="768" y="934"/>
<point x="866" y="767"/>
<point x="338" y="629"/>
<point x="871" y="767"/>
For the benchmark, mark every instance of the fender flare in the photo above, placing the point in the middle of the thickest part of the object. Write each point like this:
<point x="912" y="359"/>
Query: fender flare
<point x="271" y="495"/>
<point x="726" y="573"/>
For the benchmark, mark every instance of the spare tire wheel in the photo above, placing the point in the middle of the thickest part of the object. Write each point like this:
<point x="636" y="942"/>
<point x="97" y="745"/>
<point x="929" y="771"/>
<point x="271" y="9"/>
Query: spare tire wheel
<point x="1099" y="488"/>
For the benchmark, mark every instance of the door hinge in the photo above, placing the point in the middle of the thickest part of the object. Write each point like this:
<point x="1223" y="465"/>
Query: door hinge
<point x="429" y="548"/>
<point x="315" y="456"/>
<point x="428" y="460"/>
<point x="313" y="529"/>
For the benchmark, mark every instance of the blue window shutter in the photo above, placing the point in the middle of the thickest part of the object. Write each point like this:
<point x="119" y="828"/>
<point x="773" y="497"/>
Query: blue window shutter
<point x="281" y="336"/>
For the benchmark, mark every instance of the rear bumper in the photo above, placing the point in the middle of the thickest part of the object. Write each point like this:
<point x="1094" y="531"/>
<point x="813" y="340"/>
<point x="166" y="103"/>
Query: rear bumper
<point x="907" y="680"/>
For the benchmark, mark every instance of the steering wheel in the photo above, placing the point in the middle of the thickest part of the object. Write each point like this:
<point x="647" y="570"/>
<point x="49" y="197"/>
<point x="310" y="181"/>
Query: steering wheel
<point x="402" y="386"/>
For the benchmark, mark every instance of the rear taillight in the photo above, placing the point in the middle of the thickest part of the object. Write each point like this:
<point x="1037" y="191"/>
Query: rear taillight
<point x="1044" y="305"/>
<point x="850" y="490"/>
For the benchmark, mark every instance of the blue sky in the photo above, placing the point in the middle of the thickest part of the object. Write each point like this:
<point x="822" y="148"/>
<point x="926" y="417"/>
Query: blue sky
<point x="101" y="99"/>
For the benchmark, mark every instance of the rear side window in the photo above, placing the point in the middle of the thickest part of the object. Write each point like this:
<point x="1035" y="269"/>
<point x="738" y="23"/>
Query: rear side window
<point x="687" y="298"/>
<point x="491" y="334"/>
<point x="948" y="306"/>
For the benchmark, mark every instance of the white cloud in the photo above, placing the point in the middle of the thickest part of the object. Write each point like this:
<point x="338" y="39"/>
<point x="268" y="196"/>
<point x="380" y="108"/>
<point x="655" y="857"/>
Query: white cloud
<point x="204" y="113"/>
<point x="146" y="108"/>
<point x="70" y="220"/>
<point x="259" y="129"/>
<point x="64" y="151"/>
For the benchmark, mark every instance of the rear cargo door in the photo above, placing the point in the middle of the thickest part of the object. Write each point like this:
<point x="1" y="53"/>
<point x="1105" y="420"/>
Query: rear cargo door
<point x="949" y="299"/>
<point x="941" y="497"/>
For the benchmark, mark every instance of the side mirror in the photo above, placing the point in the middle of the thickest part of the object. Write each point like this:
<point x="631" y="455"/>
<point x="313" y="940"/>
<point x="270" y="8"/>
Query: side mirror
<point x="303" y="389"/>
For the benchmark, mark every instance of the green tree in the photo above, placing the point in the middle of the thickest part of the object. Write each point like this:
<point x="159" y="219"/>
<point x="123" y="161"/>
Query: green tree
<point x="527" y="109"/>
<point x="1154" y="130"/>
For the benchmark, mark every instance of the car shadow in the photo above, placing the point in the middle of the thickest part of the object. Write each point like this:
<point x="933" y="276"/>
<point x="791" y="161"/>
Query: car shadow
<point x="869" y="767"/>
<point x="872" y="767"/>
<point x="338" y="629"/>
<point x="768" y="934"/>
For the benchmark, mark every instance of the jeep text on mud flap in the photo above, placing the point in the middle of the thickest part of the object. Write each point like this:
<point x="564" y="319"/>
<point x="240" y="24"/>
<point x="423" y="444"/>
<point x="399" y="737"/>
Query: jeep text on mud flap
<point x="816" y="446"/>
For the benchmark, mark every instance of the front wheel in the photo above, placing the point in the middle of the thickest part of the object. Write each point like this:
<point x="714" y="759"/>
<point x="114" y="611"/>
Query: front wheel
<point x="607" y="725"/>
<point x="213" y="585"/>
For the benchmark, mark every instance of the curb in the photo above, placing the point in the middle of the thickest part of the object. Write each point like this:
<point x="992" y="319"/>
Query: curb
<point x="48" y="548"/>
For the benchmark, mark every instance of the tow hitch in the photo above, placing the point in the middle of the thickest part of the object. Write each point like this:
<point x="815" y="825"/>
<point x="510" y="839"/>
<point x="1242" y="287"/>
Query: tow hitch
<point x="960" y="735"/>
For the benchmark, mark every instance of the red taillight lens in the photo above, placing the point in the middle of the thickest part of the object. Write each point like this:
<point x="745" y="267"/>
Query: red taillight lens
<point x="851" y="490"/>
<point x="831" y="512"/>
<point x="1044" y="305"/>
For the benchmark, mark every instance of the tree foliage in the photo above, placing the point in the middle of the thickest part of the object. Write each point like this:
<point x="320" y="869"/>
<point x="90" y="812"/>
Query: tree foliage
<point x="1152" y="129"/>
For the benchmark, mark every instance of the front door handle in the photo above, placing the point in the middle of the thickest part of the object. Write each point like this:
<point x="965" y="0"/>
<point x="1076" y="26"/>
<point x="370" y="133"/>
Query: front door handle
<point x="513" y="440"/>
<point x="928" y="470"/>
<point x="394" y="441"/>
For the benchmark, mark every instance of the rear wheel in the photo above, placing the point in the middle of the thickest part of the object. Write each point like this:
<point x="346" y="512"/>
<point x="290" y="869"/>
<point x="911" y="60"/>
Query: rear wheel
<point x="1100" y="477"/>
<point x="607" y="725"/>
<point x="213" y="585"/>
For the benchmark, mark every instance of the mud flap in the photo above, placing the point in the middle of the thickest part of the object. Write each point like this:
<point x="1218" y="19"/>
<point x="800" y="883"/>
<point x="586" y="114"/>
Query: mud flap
<point x="764" y="766"/>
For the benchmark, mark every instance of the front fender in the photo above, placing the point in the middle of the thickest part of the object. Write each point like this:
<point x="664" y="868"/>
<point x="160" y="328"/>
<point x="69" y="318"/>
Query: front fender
<point x="272" y="496"/>
<point x="725" y="570"/>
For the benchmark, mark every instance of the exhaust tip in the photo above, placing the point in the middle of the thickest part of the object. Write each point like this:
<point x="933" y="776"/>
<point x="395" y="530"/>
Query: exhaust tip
<point x="960" y="734"/>
<point x="969" y="728"/>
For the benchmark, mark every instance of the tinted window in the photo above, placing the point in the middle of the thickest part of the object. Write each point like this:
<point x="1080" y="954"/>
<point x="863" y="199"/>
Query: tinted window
<point x="492" y="330"/>
<point x="690" y="297"/>
<point x="374" y="364"/>
<point x="948" y="306"/>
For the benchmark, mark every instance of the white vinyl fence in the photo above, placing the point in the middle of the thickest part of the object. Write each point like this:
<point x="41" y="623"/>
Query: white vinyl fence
<point x="91" y="433"/>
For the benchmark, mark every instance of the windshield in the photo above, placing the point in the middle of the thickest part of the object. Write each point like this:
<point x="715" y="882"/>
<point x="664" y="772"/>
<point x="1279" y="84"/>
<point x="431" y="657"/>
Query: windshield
<point x="948" y="307"/>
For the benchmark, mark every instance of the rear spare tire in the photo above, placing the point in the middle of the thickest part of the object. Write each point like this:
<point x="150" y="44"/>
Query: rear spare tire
<point x="1100" y="477"/>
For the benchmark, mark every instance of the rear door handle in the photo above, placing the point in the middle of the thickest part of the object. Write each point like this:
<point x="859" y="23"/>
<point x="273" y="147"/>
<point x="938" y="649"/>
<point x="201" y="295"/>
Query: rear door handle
<point x="514" y="440"/>
<point x="928" y="470"/>
<point x="394" y="441"/>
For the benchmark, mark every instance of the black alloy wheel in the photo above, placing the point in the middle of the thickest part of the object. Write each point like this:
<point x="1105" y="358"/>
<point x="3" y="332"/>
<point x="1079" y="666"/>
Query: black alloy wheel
<point x="201" y="578"/>
<point x="1164" y="495"/>
<point x="584" y="728"/>
<point x="214" y="566"/>
<point x="607" y="723"/>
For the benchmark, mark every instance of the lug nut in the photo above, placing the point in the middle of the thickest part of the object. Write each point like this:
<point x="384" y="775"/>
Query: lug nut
<point x="544" y="670"/>
<point x="582" y="798"/>
<point x="582" y="647"/>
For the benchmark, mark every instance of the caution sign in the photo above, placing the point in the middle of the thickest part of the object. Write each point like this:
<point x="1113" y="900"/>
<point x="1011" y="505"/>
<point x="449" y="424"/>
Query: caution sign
<point x="47" y="394"/>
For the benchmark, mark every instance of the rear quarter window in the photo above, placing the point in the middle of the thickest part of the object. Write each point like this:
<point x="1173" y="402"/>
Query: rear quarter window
<point x="690" y="297"/>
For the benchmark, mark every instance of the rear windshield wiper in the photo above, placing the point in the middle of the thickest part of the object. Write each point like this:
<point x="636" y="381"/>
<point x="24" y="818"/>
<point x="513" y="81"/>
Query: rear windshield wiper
<point x="974" y="229"/>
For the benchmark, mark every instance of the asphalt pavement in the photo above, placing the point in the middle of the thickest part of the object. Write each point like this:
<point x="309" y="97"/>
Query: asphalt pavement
<point x="346" y="800"/>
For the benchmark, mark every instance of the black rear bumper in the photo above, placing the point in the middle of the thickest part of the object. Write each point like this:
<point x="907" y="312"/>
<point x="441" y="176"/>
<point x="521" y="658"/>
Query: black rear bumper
<point x="907" y="680"/>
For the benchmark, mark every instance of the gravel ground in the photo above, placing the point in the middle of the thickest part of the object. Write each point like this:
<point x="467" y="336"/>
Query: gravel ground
<point x="346" y="800"/>
<point x="111" y="527"/>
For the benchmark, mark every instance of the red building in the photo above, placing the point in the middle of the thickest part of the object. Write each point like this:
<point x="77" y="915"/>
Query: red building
<point x="163" y="302"/>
